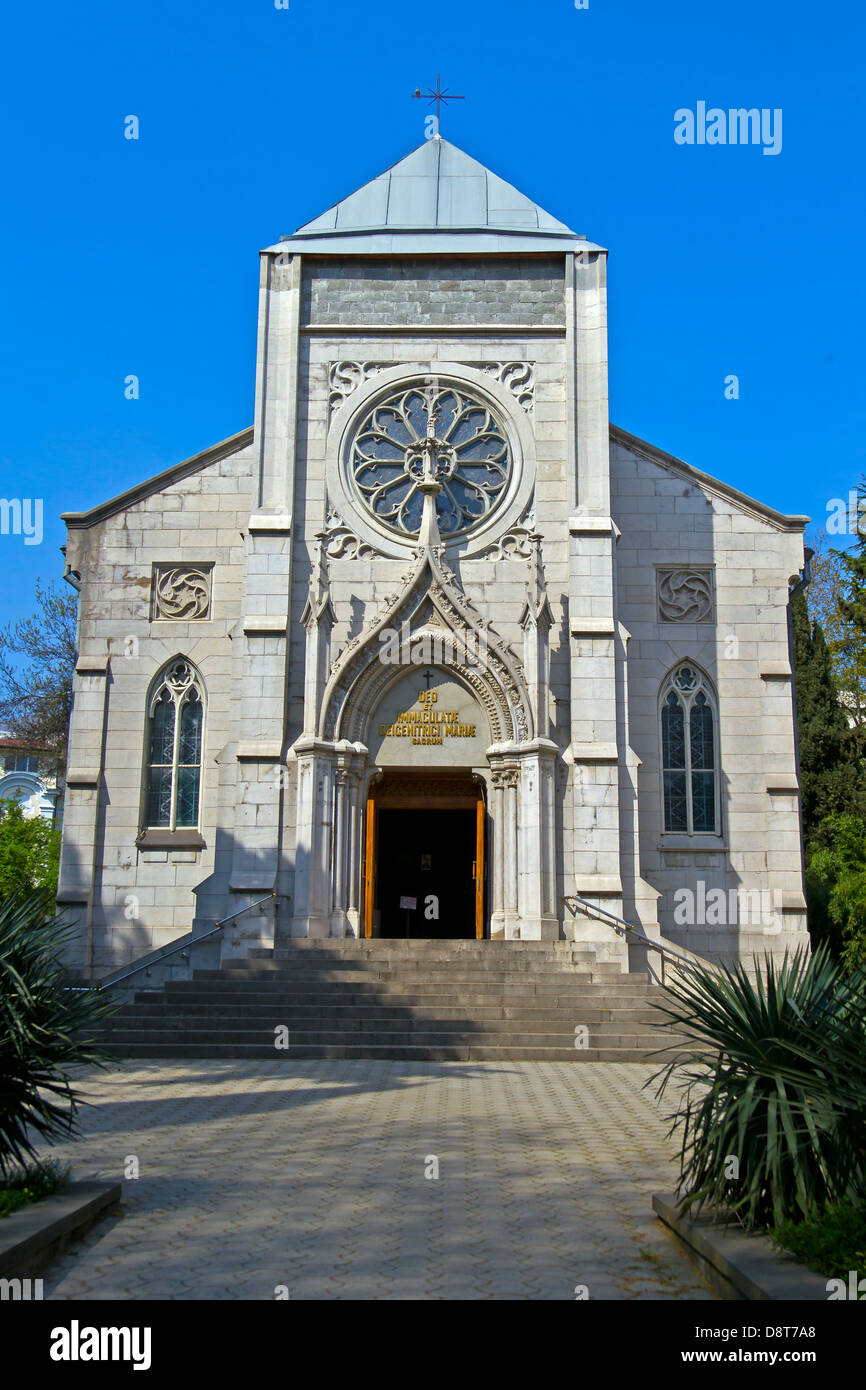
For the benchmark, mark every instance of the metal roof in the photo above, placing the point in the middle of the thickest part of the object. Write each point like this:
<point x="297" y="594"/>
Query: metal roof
<point x="436" y="199"/>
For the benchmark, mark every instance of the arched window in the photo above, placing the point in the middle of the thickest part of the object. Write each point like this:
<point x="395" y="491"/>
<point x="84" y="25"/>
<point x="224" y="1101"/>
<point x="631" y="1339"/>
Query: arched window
<point x="689" y="753"/>
<point x="175" y="722"/>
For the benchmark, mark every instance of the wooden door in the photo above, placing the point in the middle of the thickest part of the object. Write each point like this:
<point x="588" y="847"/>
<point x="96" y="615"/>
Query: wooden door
<point x="479" y="867"/>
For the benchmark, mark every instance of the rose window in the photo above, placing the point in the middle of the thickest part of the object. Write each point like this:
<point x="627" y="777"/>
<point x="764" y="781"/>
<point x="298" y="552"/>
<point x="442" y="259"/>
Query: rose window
<point x="421" y="434"/>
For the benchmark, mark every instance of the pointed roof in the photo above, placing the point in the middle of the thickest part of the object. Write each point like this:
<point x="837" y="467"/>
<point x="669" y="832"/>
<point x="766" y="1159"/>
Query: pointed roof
<point x="435" y="199"/>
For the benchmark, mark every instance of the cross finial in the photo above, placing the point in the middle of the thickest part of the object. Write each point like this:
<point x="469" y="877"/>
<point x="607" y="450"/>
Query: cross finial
<point x="438" y="96"/>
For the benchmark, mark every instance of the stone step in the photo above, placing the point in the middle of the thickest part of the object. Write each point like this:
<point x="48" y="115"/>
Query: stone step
<point x="455" y="983"/>
<point x="405" y="1037"/>
<point x="398" y="996"/>
<point x="391" y="966"/>
<point x="474" y="1052"/>
<point x="456" y="970"/>
<point x="401" y="1001"/>
<point x="561" y="1027"/>
<point x="267" y="1013"/>
<point x="352" y="945"/>
<point x="570" y="1002"/>
<point x="437" y="952"/>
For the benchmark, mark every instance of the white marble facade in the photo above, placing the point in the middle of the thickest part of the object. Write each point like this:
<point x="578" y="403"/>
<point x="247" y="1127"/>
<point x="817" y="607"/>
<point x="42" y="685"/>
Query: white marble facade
<point x="256" y="576"/>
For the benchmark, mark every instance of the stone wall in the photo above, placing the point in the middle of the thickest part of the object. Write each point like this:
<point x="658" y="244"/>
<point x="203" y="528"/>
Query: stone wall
<point x="142" y="899"/>
<point x="668" y="522"/>
<point x="430" y="290"/>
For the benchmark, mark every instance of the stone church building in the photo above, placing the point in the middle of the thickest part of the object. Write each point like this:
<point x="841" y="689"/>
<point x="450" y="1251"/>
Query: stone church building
<point x="432" y="646"/>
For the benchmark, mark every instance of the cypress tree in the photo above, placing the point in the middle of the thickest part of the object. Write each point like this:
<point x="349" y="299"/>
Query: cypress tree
<point x="830" y="766"/>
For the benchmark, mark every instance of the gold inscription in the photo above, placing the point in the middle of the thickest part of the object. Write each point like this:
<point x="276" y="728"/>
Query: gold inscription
<point x="427" y="725"/>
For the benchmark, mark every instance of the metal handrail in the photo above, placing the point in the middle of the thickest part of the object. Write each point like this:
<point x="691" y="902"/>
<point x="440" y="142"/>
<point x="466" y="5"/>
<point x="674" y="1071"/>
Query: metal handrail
<point x="167" y="951"/>
<point x="624" y="928"/>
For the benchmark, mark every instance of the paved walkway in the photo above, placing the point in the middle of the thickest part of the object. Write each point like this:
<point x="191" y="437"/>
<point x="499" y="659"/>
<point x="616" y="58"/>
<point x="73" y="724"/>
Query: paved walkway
<point x="311" y="1175"/>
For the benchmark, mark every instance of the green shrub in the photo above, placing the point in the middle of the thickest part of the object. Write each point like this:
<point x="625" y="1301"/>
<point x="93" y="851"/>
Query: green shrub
<point x="774" y="1076"/>
<point x="45" y="1028"/>
<point x="29" y="853"/>
<point x="31" y="1183"/>
<point x="836" y="887"/>
<point x="831" y="1243"/>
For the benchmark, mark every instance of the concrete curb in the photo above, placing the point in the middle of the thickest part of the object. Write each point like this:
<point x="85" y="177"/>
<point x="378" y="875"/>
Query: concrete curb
<point x="739" y="1264"/>
<point x="31" y="1237"/>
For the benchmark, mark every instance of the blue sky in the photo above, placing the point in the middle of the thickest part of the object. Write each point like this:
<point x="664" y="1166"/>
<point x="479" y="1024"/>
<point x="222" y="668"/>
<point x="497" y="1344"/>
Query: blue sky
<point x="120" y="257"/>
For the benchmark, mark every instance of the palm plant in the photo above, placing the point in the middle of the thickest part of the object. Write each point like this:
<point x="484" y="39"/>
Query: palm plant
<point x="45" y="1028"/>
<point x="774" y="1076"/>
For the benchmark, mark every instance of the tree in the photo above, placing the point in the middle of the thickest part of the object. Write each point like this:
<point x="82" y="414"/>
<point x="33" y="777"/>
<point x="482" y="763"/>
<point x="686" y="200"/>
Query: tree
<point x="36" y="698"/>
<point x="836" y="888"/>
<point x="830" y="765"/>
<point x="851" y="602"/>
<point x="827" y="588"/>
<point x="29" y="853"/>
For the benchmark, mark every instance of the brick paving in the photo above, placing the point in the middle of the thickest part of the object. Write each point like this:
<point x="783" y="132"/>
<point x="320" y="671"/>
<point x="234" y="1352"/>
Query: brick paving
<point x="311" y="1175"/>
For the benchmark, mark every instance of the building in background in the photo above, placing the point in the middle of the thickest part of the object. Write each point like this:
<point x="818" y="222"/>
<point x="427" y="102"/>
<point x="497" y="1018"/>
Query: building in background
<point x="30" y="776"/>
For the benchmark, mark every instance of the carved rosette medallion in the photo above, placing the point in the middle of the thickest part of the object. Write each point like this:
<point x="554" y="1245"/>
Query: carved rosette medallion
<point x="685" y="596"/>
<point x="182" y="593"/>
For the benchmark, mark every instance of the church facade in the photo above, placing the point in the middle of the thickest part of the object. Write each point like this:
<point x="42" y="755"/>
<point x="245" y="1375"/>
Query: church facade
<point x="433" y="647"/>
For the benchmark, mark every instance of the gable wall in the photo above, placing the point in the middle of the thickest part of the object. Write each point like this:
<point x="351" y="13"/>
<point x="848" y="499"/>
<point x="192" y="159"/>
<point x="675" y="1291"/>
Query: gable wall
<point x="143" y="899"/>
<point x="667" y="520"/>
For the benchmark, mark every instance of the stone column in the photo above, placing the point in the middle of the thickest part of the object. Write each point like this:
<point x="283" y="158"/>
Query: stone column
<point x="318" y="619"/>
<point x="346" y="858"/>
<point x="539" y="920"/>
<point x="510" y="851"/>
<point x="313" y="895"/>
<point x="536" y="621"/>
<point x="595" y="870"/>
<point x="783" y="925"/>
<point x="497" y="830"/>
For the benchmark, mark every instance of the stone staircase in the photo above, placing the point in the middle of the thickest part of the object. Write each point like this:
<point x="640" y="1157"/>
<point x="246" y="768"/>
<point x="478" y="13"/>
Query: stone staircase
<point x="482" y="1001"/>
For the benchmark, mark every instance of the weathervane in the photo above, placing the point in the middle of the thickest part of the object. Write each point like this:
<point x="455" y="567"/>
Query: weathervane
<point x="438" y="96"/>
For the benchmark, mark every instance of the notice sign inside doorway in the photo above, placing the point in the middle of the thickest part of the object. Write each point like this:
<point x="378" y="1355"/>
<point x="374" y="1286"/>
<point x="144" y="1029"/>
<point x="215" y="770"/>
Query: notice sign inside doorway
<point x="408" y="904"/>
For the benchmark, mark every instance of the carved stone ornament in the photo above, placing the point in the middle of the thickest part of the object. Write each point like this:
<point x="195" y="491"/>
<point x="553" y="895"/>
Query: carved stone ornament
<point x="359" y="677"/>
<point x="340" y="541"/>
<point x="685" y="596"/>
<point x="182" y="593"/>
<point x="518" y="377"/>
<point x="517" y="542"/>
<point x="345" y="377"/>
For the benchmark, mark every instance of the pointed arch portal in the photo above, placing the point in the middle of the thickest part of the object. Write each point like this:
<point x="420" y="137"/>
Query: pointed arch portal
<point x="428" y="690"/>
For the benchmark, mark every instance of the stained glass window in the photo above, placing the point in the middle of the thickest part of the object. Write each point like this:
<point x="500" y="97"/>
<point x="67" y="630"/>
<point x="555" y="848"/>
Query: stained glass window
<point x="421" y="433"/>
<point x="174" y="750"/>
<point x="689" y="783"/>
<point x="674" y="764"/>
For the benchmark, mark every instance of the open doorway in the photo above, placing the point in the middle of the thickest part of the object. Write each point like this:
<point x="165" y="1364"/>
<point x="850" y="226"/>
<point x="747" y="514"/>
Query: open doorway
<point x="425" y="852"/>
